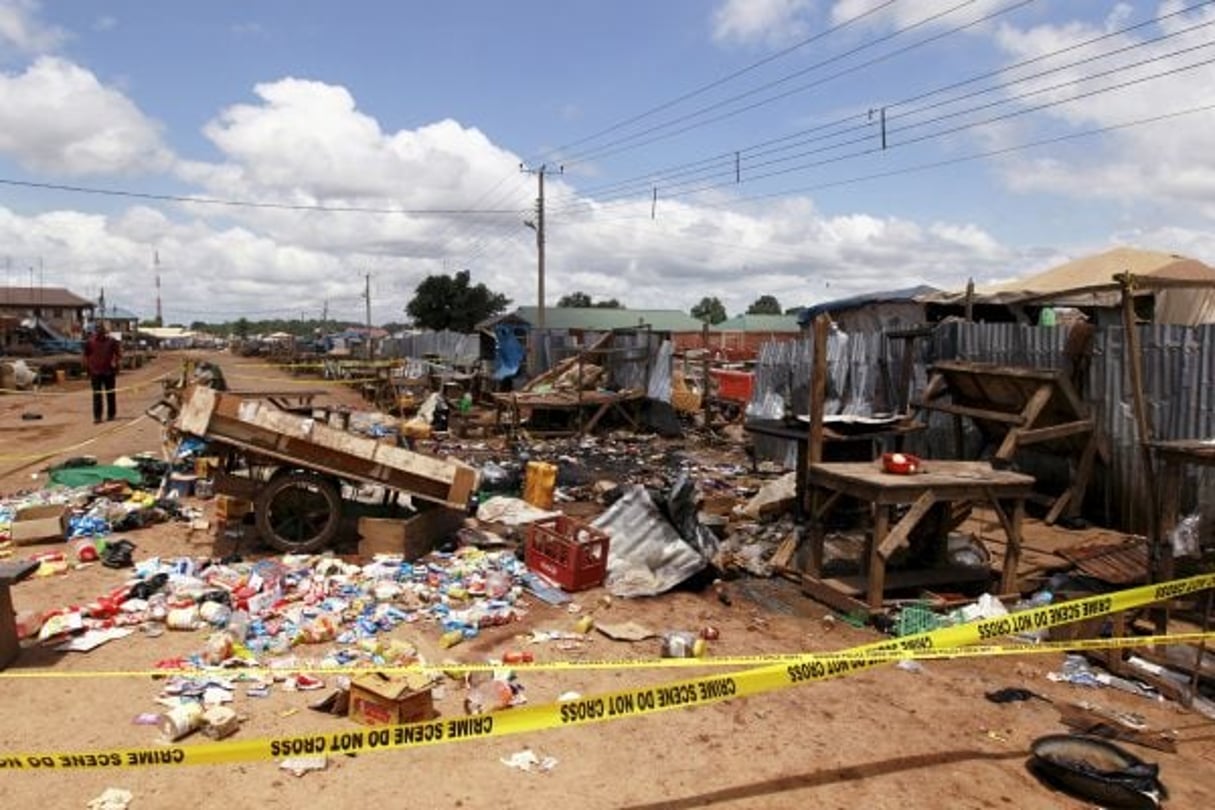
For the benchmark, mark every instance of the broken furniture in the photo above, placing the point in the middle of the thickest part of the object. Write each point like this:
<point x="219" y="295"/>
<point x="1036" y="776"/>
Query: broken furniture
<point x="939" y="482"/>
<point x="846" y="438"/>
<point x="296" y="401"/>
<point x="11" y="573"/>
<point x="1016" y="407"/>
<point x="578" y="390"/>
<point x="294" y="468"/>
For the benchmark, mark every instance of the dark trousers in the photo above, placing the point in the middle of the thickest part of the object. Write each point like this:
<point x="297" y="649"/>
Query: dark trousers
<point x="104" y="383"/>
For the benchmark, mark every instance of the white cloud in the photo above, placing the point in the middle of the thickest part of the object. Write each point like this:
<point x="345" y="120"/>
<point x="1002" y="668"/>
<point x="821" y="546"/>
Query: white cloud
<point x="1166" y="163"/>
<point x="21" y="30"/>
<point x="105" y="22"/>
<point x="771" y="22"/>
<point x="900" y="15"/>
<point x="56" y="117"/>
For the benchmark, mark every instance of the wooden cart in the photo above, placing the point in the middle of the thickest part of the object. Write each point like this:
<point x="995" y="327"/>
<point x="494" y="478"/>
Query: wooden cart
<point x="294" y="467"/>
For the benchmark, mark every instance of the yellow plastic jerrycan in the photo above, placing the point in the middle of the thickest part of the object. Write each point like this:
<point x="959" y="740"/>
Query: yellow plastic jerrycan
<point x="538" y="484"/>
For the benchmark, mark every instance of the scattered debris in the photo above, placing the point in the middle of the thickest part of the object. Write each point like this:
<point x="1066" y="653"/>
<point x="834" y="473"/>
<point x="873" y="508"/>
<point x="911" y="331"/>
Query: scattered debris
<point x="527" y="761"/>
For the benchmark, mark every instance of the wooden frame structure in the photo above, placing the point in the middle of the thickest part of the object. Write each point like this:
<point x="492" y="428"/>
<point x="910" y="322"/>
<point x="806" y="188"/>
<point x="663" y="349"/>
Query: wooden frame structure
<point x="941" y="482"/>
<point x="1015" y="407"/>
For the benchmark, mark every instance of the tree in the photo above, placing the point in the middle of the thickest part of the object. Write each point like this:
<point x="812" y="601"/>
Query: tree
<point x="764" y="305"/>
<point x="451" y="302"/>
<point x="579" y="299"/>
<point x="710" y="309"/>
<point x="241" y="328"/>
<point x="574" y="300"/>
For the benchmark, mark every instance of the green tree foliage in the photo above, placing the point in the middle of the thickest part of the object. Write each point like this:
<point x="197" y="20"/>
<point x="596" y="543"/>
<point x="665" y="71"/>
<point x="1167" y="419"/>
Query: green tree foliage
<point x="241" y="328"/>
<point x="710" y="309"/>
<point x="764" y="305"/>
<point x="579" y="299"/>
<point x="575" y="300"/>
<point x="452" y="302"/>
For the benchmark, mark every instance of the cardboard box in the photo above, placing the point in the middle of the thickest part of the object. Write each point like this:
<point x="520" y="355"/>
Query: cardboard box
<point x="35" y="524"/>
<point x="412" y="537"/>
<point x="379" y="700"/>
<point x="228" y="507"/>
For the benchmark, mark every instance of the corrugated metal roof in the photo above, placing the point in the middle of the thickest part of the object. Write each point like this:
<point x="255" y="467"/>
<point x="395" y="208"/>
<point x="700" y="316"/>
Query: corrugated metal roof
<point x="758" y="323"/>
<point x="602" y="319"/>
<point x="41" y="297"/>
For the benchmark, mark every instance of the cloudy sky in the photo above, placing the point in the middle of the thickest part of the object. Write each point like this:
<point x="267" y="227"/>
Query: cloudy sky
<point x="274" y="153"/>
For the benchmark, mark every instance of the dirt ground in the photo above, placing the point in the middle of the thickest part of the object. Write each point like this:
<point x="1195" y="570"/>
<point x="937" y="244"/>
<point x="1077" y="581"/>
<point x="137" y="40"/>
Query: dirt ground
<point x="882" y="739"/>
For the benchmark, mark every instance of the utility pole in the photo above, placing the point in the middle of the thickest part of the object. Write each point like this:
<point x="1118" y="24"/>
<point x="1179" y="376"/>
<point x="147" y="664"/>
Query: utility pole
<point x="538" y="226"/>
<point x="160" y="321"/>
<point x="367" y="296"/>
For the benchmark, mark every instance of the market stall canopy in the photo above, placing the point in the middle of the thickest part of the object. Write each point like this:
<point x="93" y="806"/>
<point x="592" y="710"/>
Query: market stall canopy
<point x="1184" y="287"/>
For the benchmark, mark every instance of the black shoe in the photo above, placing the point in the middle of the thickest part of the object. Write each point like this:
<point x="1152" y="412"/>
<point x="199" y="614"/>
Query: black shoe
<point x="97" y="421"/>
<point x="110" y="418"/>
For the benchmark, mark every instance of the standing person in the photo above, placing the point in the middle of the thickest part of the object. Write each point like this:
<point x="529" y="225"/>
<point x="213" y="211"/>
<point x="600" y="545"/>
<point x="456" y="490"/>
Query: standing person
<point x="102" y="354"/>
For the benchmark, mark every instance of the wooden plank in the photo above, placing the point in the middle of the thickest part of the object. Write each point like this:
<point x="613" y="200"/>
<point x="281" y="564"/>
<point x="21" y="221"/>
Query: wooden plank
<point x="1053" y="432"/>
<point x="993" y="370"/>
<point x="975" y="413"/>
<point x="898" y="536"/>
<point x="824" y="591"/>
<point x="1030" y="414"/>
<point x="877" y="563"/>
<point x="818" y="390"/>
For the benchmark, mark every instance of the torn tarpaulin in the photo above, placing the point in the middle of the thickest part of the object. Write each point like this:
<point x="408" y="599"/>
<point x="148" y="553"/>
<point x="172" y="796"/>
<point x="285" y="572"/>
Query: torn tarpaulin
<point x="648" y="555"/>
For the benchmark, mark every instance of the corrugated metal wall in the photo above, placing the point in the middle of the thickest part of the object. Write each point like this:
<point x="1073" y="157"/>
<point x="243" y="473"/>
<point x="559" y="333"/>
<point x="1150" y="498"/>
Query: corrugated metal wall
<point x="1179" y="387"/>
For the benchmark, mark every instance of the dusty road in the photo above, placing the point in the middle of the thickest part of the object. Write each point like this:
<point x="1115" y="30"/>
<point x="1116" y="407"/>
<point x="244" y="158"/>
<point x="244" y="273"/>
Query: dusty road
<point x="885" y="739"/>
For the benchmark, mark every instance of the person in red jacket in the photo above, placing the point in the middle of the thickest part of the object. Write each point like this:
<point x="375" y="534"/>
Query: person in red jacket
<point x="102" y="354"/>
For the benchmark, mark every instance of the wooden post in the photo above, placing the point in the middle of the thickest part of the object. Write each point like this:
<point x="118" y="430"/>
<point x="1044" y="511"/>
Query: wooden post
<point x="970" y="300"/>
<point x="818" y="389"/>
<point x="1143" y="429"/>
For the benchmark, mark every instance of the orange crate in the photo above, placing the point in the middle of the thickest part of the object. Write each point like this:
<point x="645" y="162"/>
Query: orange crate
<point x="734" y="385"/>
<point x="568" y="552"/>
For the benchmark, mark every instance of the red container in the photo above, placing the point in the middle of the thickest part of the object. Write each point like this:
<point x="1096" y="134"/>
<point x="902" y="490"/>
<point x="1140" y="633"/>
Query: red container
<point x="733" y="385"/>
<point x="568" y="552"/>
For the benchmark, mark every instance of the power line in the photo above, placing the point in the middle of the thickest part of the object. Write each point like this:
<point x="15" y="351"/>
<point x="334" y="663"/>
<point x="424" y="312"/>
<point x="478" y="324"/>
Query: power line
<point x="725" y="79"/>
<point x="624" y="144"/>
<point x="718" y="163"/>
<point x="721" y="175"/>
<point x="232" y="203"/>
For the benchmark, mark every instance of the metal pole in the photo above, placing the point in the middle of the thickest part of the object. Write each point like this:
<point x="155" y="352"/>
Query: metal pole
<point x="367" y="296"/>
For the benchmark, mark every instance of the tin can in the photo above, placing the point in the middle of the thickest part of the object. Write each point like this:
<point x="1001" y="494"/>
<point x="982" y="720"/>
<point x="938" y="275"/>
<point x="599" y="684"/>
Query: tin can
<point x="680" y="645"/>
<point x="181" y="720"/>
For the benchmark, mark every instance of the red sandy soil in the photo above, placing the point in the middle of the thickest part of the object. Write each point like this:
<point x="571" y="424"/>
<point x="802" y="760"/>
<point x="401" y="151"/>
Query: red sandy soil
<point x="883" y="739"/>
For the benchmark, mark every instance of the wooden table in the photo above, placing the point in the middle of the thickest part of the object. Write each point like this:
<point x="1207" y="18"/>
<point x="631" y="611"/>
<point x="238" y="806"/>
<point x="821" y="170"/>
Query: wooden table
<point x="940" y="482"/>
<point x="861" y="440"/>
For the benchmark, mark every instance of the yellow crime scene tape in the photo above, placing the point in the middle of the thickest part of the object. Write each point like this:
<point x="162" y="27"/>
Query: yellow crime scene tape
<point x="289" y="381"/>
<point x="615" y="705"/>
<point x="453" y="669"/>
<point x="136" y="388"/>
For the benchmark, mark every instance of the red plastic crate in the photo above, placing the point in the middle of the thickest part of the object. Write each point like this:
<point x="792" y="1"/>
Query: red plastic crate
<point x="568" y="552"/>
<point x="734" y="385"/>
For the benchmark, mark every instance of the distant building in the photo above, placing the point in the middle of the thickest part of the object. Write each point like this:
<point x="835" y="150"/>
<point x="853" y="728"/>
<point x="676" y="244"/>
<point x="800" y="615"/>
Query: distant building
<point x="59" y="311"/>
<point x="120" y="320"/>
<point x="746" y="333"/>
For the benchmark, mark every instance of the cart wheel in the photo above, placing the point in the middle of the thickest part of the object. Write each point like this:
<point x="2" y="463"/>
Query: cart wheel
<point x="299" y="512"/>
